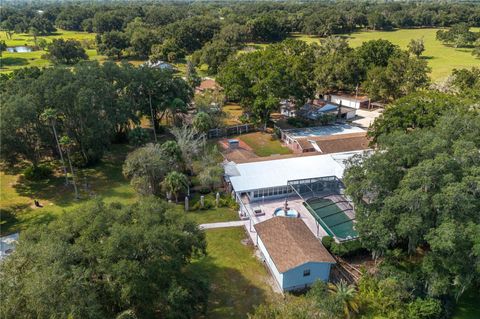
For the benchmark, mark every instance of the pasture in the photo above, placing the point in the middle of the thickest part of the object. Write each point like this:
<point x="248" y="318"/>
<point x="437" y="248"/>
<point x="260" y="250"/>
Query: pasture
<point x="441" y="58"/>
<point x="16" y="60"/>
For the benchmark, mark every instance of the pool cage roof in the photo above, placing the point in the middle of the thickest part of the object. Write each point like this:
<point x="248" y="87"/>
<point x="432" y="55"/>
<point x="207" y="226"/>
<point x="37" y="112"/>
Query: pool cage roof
<point x="324" y="198"/>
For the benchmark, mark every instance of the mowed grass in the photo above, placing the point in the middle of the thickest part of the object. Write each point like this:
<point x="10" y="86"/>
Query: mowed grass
<point x="239" y="281"/>
<point x="15" y="60"/>
<point x="441" y="58"/>
<point x="263" y="144"/>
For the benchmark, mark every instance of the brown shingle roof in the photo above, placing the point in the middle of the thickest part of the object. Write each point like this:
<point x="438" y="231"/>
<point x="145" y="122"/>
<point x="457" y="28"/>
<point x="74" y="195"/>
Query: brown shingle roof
<point x="207" y="84"/>
<point x="290" y="243"/>
<point x="336" y="143"/>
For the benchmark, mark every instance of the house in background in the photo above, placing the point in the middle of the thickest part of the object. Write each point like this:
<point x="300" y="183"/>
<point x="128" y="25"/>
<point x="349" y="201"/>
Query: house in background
<point x="294" y="256"/>
<point x="288" y="108"/>
<point x="352" y="101"/>
<point x="207" y="84"/>
<point x="162" y="65"/>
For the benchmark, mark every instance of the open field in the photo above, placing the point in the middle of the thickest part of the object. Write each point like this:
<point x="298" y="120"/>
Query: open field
<point x="441" y="58"/>
<point x="263" y="144"/>
<point x="239" y="281"/>
<point x="11" y="61"/>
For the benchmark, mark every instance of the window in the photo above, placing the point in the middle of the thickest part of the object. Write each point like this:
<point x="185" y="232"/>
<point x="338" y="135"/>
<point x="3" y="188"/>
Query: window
<point x="306" y="273"/>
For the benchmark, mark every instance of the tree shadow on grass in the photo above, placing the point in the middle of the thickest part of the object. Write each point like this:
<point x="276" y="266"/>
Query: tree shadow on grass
<point x="427" y="57"/>
<point x="13" y="61"/>
<point x="231" y="294"/>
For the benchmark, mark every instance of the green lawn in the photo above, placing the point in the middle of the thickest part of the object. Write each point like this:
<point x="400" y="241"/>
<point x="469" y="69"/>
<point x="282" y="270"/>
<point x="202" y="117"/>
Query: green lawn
<point x="263" y="144"/>
<point x="239" y="281"/>
<point x="441" y="58"/>
<point x="105" y="181"/>
<point x="221" y="214"/>
<point x="468" y="306"/>
<point x="12" y="61"/>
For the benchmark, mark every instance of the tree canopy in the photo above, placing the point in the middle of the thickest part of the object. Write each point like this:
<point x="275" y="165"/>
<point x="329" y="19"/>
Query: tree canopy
<point x="101" y="261"/>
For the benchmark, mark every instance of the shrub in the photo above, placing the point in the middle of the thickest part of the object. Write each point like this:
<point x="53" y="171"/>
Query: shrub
<point x="348" y="248"/>
<point x="35" y="173"/>
<point x="138" y="136"/>
<point x="327" y="241"/>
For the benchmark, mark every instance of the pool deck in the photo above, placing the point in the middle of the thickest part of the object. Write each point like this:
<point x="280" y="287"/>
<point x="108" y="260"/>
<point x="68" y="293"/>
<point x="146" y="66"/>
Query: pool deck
<point x="269" y="206"/>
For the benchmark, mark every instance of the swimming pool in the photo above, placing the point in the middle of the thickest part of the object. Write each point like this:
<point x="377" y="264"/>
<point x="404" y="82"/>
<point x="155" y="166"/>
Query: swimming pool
<point x="332" y="218"/>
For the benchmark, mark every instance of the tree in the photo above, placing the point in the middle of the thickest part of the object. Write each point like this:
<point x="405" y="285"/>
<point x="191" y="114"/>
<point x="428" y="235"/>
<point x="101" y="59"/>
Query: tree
<point x="112" y="43"/>
<point x="476" y="49"/>
<point x="202" y="122"/>
<point x="3" y="47"/>
<point x="67" y="144"/>
<point x="66" y="51"/>
<point x="402" y="75"/>
<point x="192" y="77"/>
<point x="417" y="190"/>
<point x="376" y="52"/>
<point x="190" y="143"/>
<point x="107" y="261"/>
<point x="50" y="115"/>
<point x="174" y="183"/>
<point x="258" y="80"/>
<point x="346" y="294"/>
<point x="459" y="35"/>
<point x="146" y="167"/>
<point x="266" y="28"/>
<point x="416" y="47"/>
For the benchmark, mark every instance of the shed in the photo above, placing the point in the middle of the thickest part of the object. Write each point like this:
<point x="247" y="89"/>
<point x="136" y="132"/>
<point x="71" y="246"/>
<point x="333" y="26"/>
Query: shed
<point x="295" y="257"/>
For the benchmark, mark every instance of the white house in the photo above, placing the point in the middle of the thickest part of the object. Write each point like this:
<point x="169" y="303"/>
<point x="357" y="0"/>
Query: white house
<point x="293" y="255"/>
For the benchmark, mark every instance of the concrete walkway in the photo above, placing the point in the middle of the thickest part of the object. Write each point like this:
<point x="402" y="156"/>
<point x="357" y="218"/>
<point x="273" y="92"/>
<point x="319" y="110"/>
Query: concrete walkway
<point x="237" y="223"/>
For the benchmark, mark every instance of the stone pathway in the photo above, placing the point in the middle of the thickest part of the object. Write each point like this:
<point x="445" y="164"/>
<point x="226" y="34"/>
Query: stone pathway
<point x="237" y="223"/>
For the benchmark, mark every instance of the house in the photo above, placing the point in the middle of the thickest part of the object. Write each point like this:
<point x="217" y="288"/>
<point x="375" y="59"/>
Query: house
<point x="162" y="65"/>
<point x="352" y="101"/>
<point x="269" y="179"/>
<point x="207" y="84"/>
<point x="288" y="108"/>
<point x="294" y="256"/>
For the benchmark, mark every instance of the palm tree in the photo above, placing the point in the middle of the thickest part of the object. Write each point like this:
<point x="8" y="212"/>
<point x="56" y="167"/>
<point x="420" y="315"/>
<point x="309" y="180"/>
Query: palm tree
<point x="174" y="183"/>
<point x="67" y="144"/>
<point x="347" y="294"/>
<point x="50" y="115"/>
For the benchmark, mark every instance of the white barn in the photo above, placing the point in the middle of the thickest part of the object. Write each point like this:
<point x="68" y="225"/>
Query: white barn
<point x="354" y="102"/>
<point x="293" y="255"/>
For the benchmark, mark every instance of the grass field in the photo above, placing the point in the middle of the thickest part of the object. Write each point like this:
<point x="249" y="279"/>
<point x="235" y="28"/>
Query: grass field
<point x="263" y="144"/>
<point x="11" y="61"/>
<point x="441" y="58"/>
<point x="239" y="281"/>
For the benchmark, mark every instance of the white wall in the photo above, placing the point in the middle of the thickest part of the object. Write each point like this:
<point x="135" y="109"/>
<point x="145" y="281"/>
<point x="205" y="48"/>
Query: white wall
<point x="345" y="102"/>
<point x="294" y="279"/>
<point x="273" y="269"/>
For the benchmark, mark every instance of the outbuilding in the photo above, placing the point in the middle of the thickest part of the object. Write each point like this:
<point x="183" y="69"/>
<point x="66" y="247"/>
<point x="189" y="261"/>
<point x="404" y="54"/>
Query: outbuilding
<point x="294" y="256"/>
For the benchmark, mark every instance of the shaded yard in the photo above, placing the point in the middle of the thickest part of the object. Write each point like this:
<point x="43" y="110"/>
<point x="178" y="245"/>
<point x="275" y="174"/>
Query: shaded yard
<point x="239" y="281"/>
<point x="468" y="306"/>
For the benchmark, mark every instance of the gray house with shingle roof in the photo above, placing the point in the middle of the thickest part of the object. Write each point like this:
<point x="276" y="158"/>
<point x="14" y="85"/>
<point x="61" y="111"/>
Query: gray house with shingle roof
<point x="295" y="257"/>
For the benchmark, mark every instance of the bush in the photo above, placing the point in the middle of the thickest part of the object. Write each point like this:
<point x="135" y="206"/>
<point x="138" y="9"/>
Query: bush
<point x="347" y="249"/>
<point x="327" y="241"/>
<point x="138" y="136"/>
<point x="35" y="173"/>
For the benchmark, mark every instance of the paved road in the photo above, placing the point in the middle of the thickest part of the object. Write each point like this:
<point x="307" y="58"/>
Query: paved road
<point x="237" y="223"/>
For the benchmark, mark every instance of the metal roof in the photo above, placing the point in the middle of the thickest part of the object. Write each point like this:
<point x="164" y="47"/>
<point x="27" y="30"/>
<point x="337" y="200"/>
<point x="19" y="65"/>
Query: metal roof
<point x="276" y="173"/>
